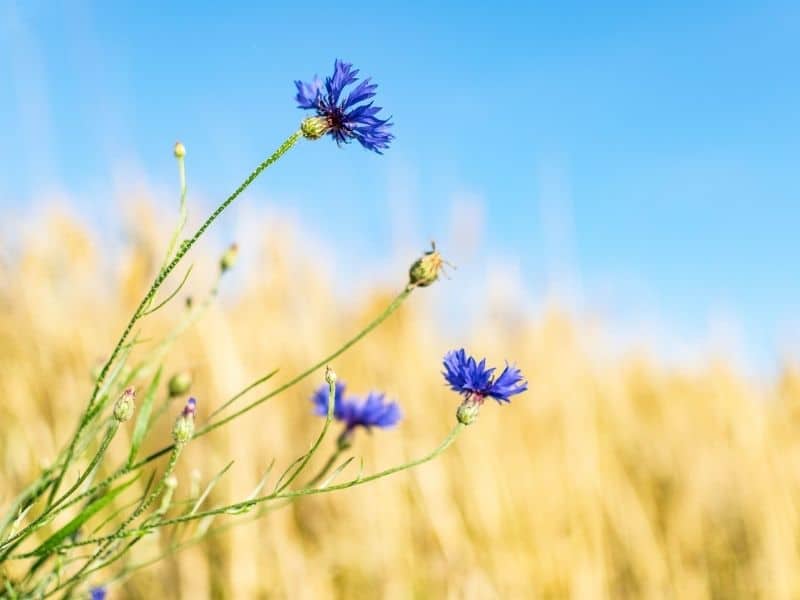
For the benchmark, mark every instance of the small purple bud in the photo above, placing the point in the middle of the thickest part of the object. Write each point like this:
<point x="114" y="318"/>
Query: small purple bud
<point x="191" y="408"/>
<point x="183" y="429"/>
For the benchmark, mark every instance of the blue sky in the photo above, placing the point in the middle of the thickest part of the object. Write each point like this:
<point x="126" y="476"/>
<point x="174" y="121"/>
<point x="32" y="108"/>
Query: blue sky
<point x="645" y="157"/>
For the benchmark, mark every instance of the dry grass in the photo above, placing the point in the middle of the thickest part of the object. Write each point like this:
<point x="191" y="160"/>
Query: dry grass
<point x="610" y="478"/>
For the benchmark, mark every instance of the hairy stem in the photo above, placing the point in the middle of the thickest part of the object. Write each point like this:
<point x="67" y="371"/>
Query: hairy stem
<point x="159" y="280"/>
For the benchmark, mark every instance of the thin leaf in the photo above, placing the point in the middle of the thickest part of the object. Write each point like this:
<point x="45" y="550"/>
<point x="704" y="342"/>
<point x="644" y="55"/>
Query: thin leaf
<point x="254" y="494"/>
<point x="143" y="420"/>
<point x="209" y="487"/>
<point x="238" y="395"/>
<point x="171" y="296"/>
<point x="87" y="513"/>
<point x="335" y="474"/>
<point x="261" y="483"/>
<point x="18" y="520"/>
<point x="285" y="474"/>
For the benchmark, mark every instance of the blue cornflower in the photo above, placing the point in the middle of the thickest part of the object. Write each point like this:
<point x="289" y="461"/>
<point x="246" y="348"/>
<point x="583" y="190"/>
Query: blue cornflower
<point x="374" y="411"/>
<point x="344" y="117"/>
<point x="472" y="379"/>
<point x="97" y="593"/>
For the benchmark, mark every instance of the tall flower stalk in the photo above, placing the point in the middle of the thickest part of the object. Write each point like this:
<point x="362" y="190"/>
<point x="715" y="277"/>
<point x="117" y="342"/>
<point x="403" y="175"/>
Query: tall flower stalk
<point x="33" y="530"/>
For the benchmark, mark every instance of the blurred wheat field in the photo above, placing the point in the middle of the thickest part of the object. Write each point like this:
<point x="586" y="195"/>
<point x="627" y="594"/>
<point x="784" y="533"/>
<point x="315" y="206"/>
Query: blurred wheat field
<point x="612" y="477"/>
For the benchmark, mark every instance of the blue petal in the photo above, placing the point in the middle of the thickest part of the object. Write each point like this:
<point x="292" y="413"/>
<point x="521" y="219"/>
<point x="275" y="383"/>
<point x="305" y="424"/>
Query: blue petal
<point x="509" y="383"/>
<point x="350" y="119"/>
<point x="308" y="93"/>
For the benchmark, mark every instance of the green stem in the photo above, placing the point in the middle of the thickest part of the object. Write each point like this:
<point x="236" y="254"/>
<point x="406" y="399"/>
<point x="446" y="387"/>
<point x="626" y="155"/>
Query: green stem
<point x="395" y="304"/>
<point x="317" y="442"/>
<point x="182" y="213"/>
<point x="326" y="467"/>
<point x="121" y="532"/>
<point x="341" y="486"/>
<point x="12" y="543"/>
<point x="159" y="280"/>
<point x="239" y="506"/>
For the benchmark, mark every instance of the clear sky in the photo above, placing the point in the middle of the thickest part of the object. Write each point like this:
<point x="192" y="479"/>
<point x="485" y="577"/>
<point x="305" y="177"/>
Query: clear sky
<point x="644" y="157"/>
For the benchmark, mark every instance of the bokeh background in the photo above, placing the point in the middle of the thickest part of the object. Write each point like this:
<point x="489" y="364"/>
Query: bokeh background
<point x="617" y="186"/>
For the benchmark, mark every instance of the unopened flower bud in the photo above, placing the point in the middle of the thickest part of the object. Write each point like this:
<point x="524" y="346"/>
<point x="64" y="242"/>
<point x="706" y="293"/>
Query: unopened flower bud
<point x="314" y="128"/>
<point x="179" y="383"/>
<point x="330" y="376"/>
<point x="123" y="408"/>
<point x="179" y="150"/>
<point x="228" y="259"/>
<point x="183" y="430"/>
<point x="426" y="269"/>
<point x="468" y="410"/>
<point x="345" y="440"/>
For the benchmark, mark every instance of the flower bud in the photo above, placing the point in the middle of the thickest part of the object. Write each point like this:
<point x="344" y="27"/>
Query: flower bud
<point x="183" y="430"/>
<point x="179" y="384"/>
<point x="179" y="151"/>
<point x="330" y="376"/>
<point x="314" y="128"/>
<point x="468" y="410"/>
<point x="228" y="259"/>
<point x="345" y="440"/>
<point x="426" y="269"/>
<point x="123" y="408"/>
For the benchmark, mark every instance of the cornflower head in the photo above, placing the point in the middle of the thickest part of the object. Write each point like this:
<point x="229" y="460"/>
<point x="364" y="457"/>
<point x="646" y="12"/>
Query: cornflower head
<point x="345" y="117"/>
<point x="476" y="382"/>
<point x="373" y="411"/>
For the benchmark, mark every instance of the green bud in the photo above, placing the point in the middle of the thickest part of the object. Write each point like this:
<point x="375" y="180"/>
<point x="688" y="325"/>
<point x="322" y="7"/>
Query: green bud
<point x="345" y="440"/>
<point x="426" y="269"/>
<point x="468" y="410"/>
<point x="179" y="151"/>
<point x="183" y="430"/>
<point x="124" y="406"/>
<point x="228" y="259"/>
<point x="314" y="128"/>
<point x="330" y="376"/>
<point x="179" y="383"/>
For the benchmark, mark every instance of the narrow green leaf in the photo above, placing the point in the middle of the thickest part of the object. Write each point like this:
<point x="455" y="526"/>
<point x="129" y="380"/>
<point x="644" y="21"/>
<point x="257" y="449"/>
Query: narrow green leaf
<point x="87" y="513"/>
<point x="172" y="295"/>
<point x="143" y="420"/>
<point x="335" y="474"/>
<point x="210" y="487"/>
